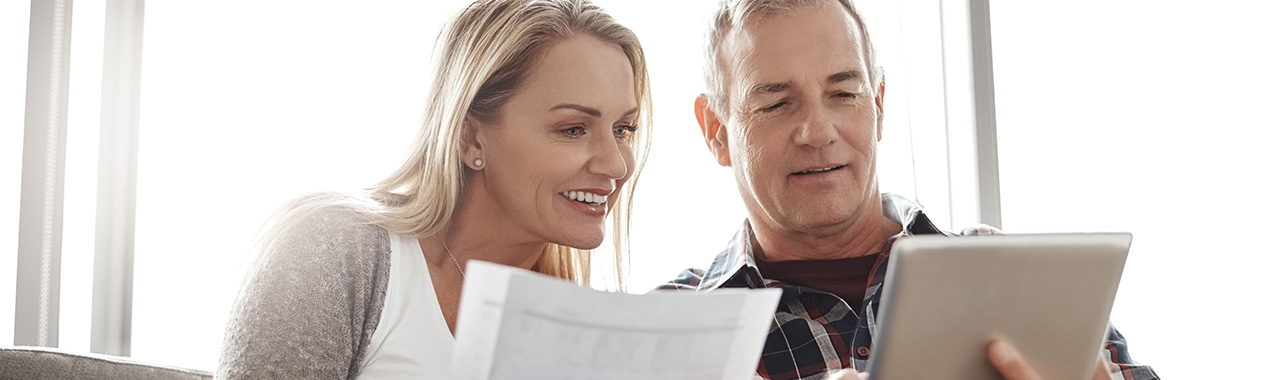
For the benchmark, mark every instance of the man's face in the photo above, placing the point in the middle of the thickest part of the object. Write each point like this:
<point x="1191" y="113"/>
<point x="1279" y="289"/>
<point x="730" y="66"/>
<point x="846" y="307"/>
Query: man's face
<point x="802" y="123"/>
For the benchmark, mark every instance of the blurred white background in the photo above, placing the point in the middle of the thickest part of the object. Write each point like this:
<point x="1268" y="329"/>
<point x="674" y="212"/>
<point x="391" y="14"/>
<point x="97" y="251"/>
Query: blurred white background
<point x="1154" y="117"/>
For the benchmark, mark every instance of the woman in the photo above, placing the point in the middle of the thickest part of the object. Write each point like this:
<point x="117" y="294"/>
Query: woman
<point x="532" y="136"/>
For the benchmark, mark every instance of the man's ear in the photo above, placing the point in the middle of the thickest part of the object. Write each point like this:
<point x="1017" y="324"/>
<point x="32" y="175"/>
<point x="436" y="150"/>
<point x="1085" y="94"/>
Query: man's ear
<point x="713" y="130"/>
<point x="880" y="110"/>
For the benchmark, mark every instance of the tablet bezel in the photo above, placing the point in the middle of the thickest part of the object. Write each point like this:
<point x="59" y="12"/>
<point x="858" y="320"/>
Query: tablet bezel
<point x="945" y="298"/>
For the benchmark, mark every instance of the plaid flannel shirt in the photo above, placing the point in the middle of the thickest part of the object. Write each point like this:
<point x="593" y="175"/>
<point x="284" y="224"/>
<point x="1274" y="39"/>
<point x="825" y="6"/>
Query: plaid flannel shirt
<point x="816" y="332"/>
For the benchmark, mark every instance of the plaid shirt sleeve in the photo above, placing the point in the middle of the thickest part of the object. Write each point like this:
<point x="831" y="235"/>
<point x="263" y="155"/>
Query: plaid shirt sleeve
<point x="1121" y="366"/>
<point x="688" y="280"/>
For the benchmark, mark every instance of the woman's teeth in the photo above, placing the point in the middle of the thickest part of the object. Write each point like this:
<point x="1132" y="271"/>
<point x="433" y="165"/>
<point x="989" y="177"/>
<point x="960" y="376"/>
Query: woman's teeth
<point x="585" y="197"/>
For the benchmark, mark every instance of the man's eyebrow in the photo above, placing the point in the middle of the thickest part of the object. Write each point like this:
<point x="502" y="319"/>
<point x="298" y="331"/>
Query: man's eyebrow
<point x="844" y="76"/>
<point x="768" y="88"/>
<point x="773" y="88"/>
<point x="577" y="107"/>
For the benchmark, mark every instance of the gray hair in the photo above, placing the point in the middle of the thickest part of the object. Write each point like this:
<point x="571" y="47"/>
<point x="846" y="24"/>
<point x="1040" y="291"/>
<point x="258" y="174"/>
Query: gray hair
<point x="733" y="13"/>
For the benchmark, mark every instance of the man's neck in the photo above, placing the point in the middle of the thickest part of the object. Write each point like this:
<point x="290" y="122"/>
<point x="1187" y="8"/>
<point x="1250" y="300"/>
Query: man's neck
<point x="864" y="235"/>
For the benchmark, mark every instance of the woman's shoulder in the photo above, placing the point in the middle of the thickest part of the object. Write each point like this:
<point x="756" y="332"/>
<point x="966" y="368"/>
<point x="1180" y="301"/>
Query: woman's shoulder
<point x="337" y="217"/>
<point x="324" y="268"/>
<point x="328" y="228"/>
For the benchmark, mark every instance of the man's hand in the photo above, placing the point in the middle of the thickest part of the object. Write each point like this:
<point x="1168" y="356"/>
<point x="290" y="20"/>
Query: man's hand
<point x="848" y="374"/>
<point x="1006" y="359"/>
<point x="1010" y="363"/>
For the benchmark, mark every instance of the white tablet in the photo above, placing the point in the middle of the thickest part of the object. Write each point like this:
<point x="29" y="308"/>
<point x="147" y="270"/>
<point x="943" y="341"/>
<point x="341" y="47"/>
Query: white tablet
<point x="945" y="298"/>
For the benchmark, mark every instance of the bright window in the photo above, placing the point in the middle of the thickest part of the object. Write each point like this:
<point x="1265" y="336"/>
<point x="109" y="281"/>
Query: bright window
<point x="15" y="17"/>
<point x="247" y="104"/>
<point x="1155" y="118"/>
<point x="80" y="195"/>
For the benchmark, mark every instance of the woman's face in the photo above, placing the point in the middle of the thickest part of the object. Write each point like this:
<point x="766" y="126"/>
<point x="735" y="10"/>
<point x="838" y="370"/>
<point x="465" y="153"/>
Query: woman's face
<point x="562" y="146"/>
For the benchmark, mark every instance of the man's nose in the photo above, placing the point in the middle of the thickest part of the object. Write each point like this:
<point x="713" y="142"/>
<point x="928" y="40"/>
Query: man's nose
<point x="816" y="127"/>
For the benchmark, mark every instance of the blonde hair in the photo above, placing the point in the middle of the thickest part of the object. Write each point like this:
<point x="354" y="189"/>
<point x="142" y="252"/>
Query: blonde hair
<point x="484" y="55"/>
<point x="733" y="13"/>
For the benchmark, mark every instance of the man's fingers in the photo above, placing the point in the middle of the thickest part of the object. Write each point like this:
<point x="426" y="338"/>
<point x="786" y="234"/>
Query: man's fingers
<point x="847" y="374"/>
<point x="1009" y="362"/>
<point x="1101" y="372"/>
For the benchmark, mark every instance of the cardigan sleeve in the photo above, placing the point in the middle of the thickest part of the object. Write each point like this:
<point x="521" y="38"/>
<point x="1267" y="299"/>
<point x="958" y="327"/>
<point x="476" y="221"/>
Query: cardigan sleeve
<point x="309" y="305"/>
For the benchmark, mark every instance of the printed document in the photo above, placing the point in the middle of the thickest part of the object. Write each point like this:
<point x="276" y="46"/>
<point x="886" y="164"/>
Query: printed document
<point x="516" y="324"/>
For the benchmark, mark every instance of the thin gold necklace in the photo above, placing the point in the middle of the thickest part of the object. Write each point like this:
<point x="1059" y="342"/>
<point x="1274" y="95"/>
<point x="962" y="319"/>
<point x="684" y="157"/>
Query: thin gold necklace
<point x="455" y="260"/>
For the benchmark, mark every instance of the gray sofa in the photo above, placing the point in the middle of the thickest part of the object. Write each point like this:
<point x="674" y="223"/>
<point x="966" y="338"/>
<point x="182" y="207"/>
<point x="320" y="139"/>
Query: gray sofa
<point x="38" y="363"/>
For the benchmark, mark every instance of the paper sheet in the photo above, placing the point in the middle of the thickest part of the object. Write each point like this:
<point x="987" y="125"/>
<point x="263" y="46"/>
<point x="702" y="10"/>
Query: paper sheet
<point x="515" y="324"/>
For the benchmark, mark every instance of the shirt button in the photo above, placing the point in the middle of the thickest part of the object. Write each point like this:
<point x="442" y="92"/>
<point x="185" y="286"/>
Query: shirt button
<point x="863" y="351"/>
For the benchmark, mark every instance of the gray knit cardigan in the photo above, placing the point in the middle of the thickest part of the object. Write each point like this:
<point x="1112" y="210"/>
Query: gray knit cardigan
<point x="308" y="307"/>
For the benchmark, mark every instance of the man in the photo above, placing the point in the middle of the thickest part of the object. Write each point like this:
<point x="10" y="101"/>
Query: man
<point x="795" y="107"/>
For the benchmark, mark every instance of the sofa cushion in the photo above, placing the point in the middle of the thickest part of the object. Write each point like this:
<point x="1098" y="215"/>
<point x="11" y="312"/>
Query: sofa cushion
<point x="50" y="363"/>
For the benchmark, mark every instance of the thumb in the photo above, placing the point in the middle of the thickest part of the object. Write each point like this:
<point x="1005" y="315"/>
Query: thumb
<point x="1009" y="362"/>
<point x="847" y="374"/>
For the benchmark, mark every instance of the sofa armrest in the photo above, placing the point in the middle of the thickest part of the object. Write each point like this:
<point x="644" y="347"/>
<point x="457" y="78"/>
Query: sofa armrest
<point x="50" y="363"/>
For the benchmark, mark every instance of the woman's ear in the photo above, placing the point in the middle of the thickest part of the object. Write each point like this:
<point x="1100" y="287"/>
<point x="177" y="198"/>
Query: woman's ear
<point x="471" y="147"/>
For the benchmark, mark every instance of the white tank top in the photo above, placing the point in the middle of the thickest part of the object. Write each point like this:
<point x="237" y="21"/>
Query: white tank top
<point x="412" y="340"/>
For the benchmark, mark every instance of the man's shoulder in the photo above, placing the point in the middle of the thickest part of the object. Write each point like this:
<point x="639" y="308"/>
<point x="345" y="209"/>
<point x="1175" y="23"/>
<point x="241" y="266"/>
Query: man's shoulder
<point x="687" y="280"/>
<point x="726" y="264"/>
